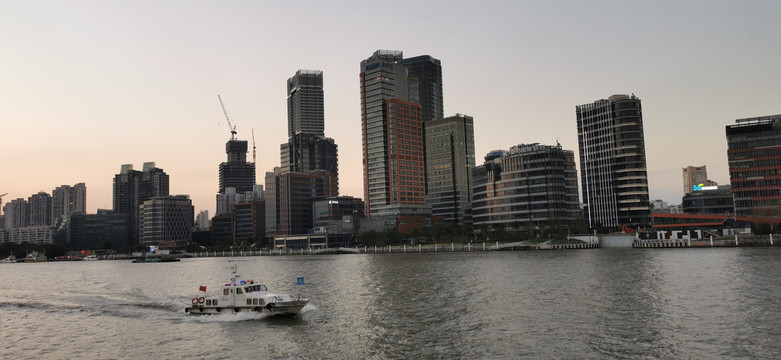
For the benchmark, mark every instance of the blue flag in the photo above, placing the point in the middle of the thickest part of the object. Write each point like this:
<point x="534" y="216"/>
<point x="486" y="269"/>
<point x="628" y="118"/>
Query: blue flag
<point x="300" y="281"/>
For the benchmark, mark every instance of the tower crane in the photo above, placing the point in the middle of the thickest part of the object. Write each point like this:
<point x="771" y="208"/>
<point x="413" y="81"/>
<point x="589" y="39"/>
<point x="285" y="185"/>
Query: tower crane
<point x="253" y="146"/>
<point x="230" y="125"/>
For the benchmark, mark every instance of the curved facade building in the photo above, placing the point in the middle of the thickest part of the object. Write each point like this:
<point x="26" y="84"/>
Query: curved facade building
<point x="613" y="171"/>
<point x="529" y="183"/>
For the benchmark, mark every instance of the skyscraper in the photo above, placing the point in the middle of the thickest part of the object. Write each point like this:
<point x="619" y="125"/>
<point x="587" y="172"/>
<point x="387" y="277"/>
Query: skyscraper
<point x="307" y="147"/>
<point x="613" y="172"/>
<point x="392" y="127"/>
<point x="305" y="107"/>
<point x="309" y="168"/>
<point x="132" y="188"/>
<point x="428" y="70"/>
<point x="237" y="173"/>
<point x="754" y="157"/>
<point x="450" y="157"/>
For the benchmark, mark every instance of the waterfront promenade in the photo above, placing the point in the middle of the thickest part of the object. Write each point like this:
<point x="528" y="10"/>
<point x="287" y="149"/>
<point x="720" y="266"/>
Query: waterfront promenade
<point x="736" y="241"/>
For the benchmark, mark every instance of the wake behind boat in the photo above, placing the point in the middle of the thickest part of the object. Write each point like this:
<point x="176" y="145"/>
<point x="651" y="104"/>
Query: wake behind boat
<point x="246" y="296"/>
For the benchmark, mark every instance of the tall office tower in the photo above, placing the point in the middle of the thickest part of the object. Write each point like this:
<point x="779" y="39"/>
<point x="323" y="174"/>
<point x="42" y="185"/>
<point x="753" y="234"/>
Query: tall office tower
<point x="237" y="173"/>
<point x="428" y="70"/>
<point x="754" y="157"/>
<point x="533" y="183"/>
<point x="695" y="177"/>
<point x="307" y="152"/>
<point x="307" y="147"/>
<point x="450" y="157"/>
<point x="392" y="127"/>
<point x="305" y="107"/>
<point x="132" y="188"/>
<point x="67" y="200"/>
<point x="613" y="172"/>
<point x="40" y="209"/>
<point x="166" y="221"/>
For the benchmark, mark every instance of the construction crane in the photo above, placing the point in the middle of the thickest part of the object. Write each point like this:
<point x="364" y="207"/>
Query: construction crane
<point x="253" y="146"/>
<point x="230" y="125"/>
<point x="1" y="203"/>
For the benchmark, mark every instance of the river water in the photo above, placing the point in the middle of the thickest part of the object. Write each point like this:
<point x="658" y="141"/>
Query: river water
<point x="585" y="304"/>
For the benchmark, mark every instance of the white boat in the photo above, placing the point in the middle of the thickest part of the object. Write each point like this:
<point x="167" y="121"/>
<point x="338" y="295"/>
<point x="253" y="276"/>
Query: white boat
<point x="245" y="296"/>
<point x="35" y="257"/>
<point x="9" y="260"/>
<point x="91" y="257"/>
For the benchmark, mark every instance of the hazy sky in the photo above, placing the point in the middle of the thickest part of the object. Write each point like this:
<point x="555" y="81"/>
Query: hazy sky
<point x="86" y="86"/>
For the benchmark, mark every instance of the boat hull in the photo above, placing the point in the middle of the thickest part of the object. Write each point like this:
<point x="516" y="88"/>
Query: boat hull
<point x="285" y="308"/>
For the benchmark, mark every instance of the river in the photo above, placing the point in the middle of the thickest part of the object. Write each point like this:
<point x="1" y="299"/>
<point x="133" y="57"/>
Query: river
<point x="586" y="304"/>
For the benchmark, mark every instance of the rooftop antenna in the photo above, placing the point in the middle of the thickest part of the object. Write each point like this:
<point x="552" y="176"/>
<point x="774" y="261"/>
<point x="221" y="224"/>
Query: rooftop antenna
<point x="230" y="125"/>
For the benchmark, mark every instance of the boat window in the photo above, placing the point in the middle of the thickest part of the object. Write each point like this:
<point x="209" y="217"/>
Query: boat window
<point x="254" y="288"/>
<point x="238" y="291"/>
<point x="254" y="301"/>
<point x="208" y="302"/>
<point x="225" y="291"/>
<point x="249" y="301"/>
<point x="214" y="302"/>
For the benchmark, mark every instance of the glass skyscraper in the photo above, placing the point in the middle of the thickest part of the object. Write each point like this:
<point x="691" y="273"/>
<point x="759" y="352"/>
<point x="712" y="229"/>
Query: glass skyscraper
<point x="392" y="129"/>
<point x="450" y="157"/>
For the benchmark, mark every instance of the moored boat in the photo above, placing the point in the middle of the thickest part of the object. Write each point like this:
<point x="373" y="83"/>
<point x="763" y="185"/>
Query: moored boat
<point x="8" y="260"/>
<point x="35" y="257"/>
<point x="246" y="296"/>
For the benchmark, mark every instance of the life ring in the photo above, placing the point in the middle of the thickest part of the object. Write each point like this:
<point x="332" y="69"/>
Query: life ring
<point x="195" y="301"/>
<point x="200" y="300"/>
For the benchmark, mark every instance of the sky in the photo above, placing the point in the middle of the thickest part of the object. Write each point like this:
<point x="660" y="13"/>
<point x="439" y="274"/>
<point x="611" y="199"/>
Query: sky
<point x="86" y="86"/>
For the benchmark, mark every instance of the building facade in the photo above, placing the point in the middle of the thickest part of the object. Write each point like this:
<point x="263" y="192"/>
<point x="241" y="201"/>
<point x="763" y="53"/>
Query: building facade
<point x="296" y="193"/>
<point x="428" y="71"/>
<point x="104" y="230"/>
<point x="392" y="138"/>
<point x="529" y="184"/>
<point x="248" y="222"/>
<point x="132" y="188"/>
<point x="450" y="158"/>
<point x="694" y="178"/>
<point x="305" y="104"/>
<point x="333" y="209"/>
<point x="167" y="221"/>
<point x="754" y="157"/>
<point x="40" y="206"/>
<point x="237" y="173"/>
<point x="715" y="200"/>
<point x="67" y="200"/>
<point x="307" y="152"/>
<point x="16" y="214"/>
<point x="613" y="171"/>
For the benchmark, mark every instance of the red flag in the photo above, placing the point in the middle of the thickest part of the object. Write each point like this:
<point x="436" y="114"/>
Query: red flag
<point x="203" y="288"/>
